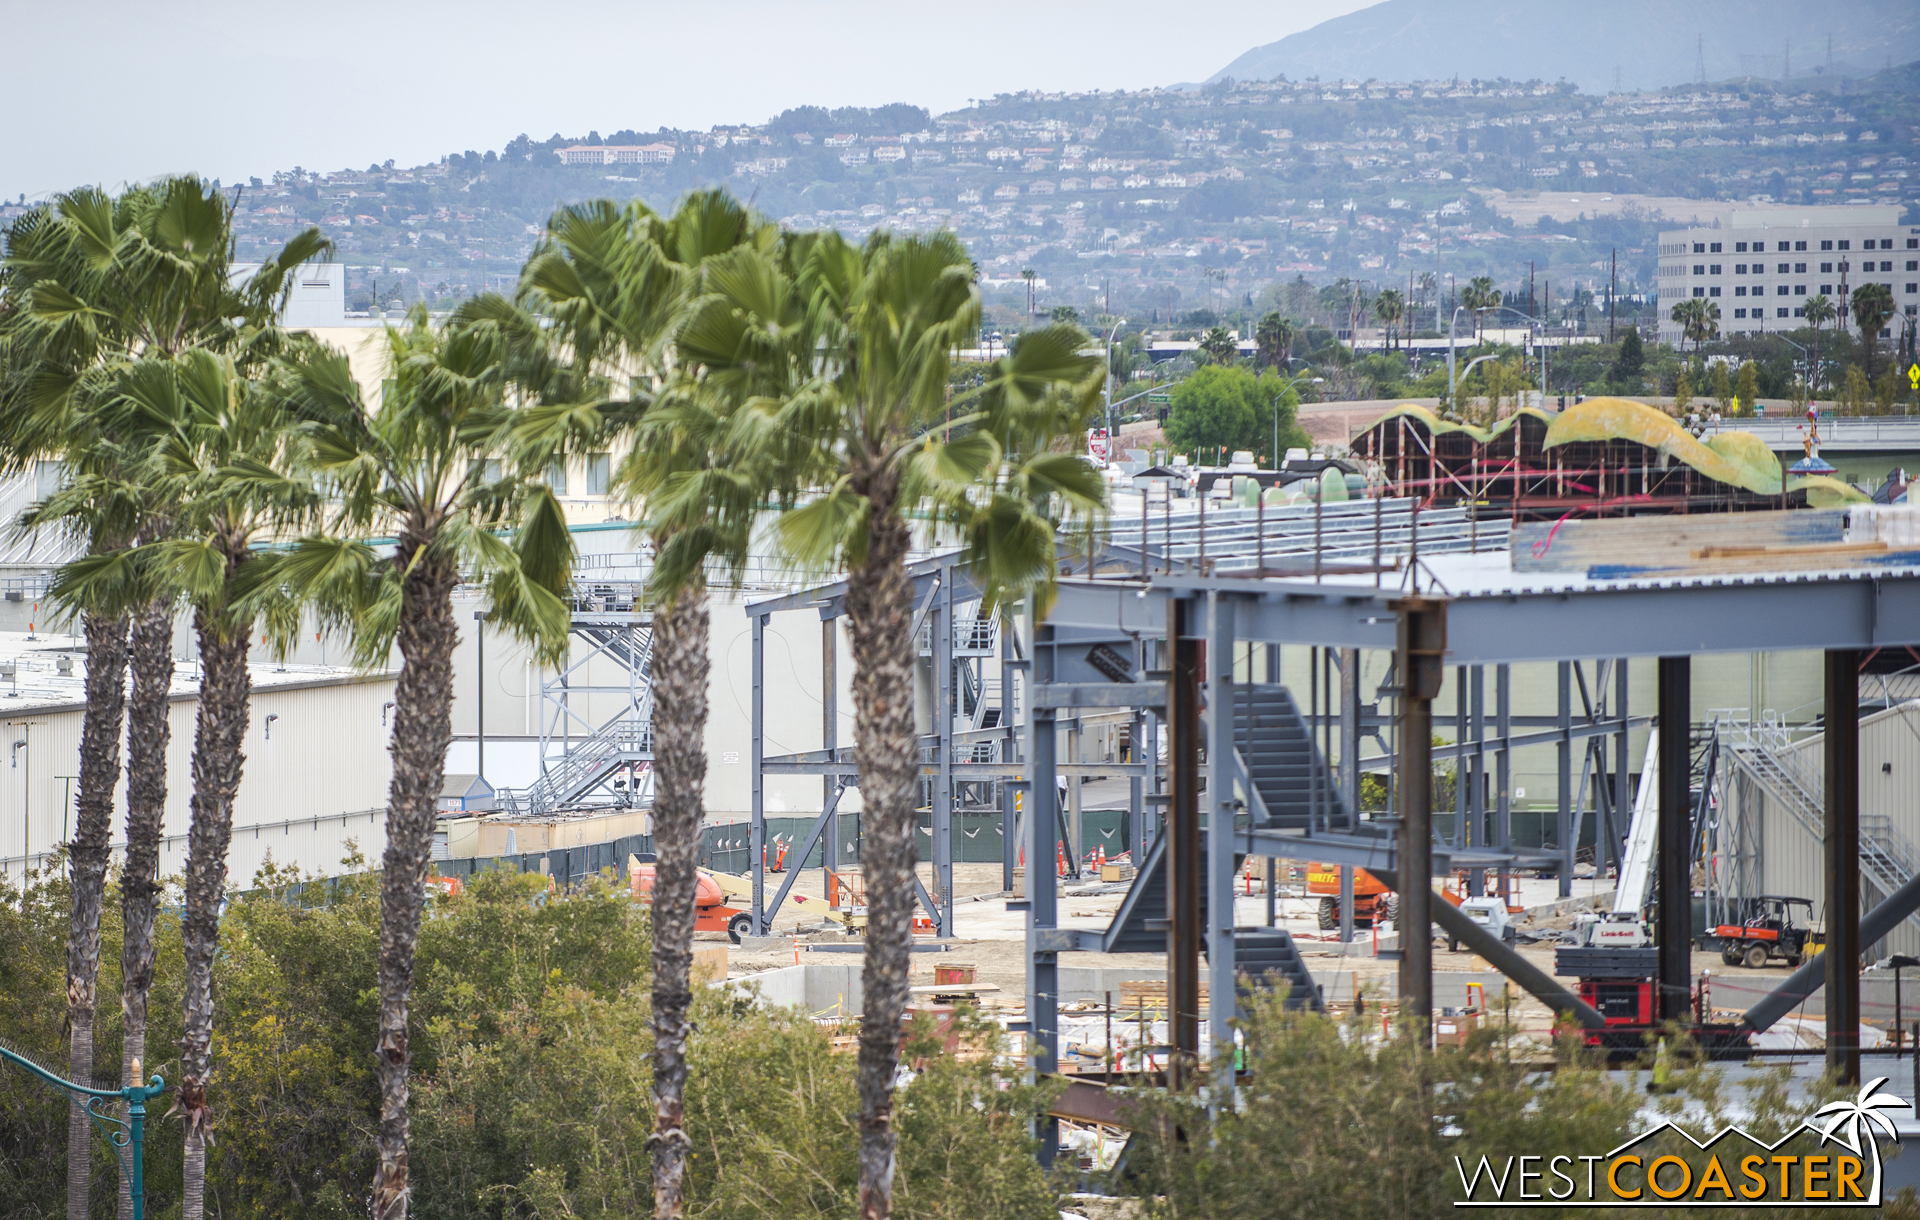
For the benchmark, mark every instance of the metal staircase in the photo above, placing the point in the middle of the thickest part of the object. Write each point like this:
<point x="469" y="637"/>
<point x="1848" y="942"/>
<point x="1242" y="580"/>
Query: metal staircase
<point x="1269" y="959"/>
<point x="1887" y="860"/>
<point x="1283" y="763"/>
<point x="588" y="763"/>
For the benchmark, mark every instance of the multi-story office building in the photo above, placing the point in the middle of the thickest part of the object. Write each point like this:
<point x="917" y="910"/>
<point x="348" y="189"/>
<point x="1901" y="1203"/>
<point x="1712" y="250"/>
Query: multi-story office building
<point x="1762" y="266"/>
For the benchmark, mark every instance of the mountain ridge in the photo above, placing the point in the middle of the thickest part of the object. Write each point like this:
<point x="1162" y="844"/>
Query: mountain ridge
<point x="1643" y="44"/>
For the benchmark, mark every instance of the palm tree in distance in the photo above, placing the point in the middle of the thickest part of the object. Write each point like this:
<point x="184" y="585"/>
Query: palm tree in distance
<point x="97" y="284"/>
<point x="1480" y="296"/>
<point x="880" y="324"/>
<point x="408" y="470"/>
<point x="621" y="285"/>
<point x="1698" y="318"/>
<point x="1220" y="345"/>
<point x="1820" y="310"/>
<point x="1872" y="306"/>
<point x="1273" y="337"/>
<point x="1390" y="307"/>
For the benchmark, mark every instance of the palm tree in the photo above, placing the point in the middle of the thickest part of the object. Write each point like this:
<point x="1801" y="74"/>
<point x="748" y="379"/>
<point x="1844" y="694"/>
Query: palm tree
<point x="1699" y="320"/>
<point x="1820" y="310"/>
<point x="217" y="444"/>
<point x="1220" y="345"/>
<point x="96" y="283"/>
<point x="1273" y="337"/>
<point x="1872" y="306"/>
<point x="1479" y="296"/>
<point x="613" y="281"/>
<point x="1390" y="307"/>
<point x="880" y="324"/>
<point x="408" y="470"/>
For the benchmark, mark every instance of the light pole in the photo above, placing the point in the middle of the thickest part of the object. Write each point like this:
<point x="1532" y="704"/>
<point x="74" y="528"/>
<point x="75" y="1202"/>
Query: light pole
<point x="1276" y="412"/>
<point x="1113" y="427"/>
<point x="132" y="1140"/>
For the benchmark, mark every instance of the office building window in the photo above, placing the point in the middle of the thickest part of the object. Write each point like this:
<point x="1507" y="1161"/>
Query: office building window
<point x="1699" y="292"/>
<point x="1715" y="269"/>
<point x="1826" y="268"/>
<point x="1799" y="245"/>
<point x="1714" y="291"/>
<point x="1912" y="288"/>
<point x="1783" y="268"/>
<point x="1886" y="264"/>
<point x="557" y="476"/>
<point x="1886" y="243"/>
<point x="1913" y="243"/>
<point x="1913" y="265"/>
<point x="1826" y="289"/>
<point x="1739" y="247"/>
<point x="1799" y="311"/>
<point x="1739" y="313"/>
<point x="1799" y="268"/>
<point x="1740" y="291"/>
<point x="1782" y="312"/>
<point x="1699" y="268"/>
<point x="1845" y="244"/>
<point x="1783" y="246"/>
<point x="1699" y="247"/>
<point x="1780" y="291"/>
<point x="1799" y="290"/>
<point x="1714" y="248"/>
<point x="1739" y="268"/>
<point x="1826" y="245"/>
<point x="597" y="469"/>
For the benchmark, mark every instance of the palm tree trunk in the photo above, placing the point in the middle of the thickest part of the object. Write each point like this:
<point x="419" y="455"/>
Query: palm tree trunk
<point x="880" y="619"/>
<point x="680" y="671"/>
<point x="422" y="728"/>
<point x="147" y="735"/>
<point x="221" y="727"/>
<point x="92" y="829"/>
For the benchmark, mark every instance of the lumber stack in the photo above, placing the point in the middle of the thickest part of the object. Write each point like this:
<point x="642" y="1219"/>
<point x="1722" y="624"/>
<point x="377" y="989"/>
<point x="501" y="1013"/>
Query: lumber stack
<point x="1148" y="994"/>
<point x="1714" y="544"/>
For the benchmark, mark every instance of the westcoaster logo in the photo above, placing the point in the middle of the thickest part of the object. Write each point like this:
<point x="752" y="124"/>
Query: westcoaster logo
<point x="1833" y="1158"/>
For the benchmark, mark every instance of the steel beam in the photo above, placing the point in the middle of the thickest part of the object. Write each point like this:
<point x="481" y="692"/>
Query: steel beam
<point x="1043" y="913"/>
<point x="757" y="837"/>
<point x="944" y="708"/>
<point x="1564" y="830"/>
<point x="1422" y="666"/>
<point x="1674" y="867"/>
<point x="1183" y="846"/>
<point x="1220" y="806"/>
<point x="1842" y="860"/>
<point x="829" y="743"/>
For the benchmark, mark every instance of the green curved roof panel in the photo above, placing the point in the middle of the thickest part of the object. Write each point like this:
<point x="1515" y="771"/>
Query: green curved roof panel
<point x="1434" y="425"/>
<point x="1746" y="450"/>
<point x="1825" y="491"/>
<point x="1606" y="419"/>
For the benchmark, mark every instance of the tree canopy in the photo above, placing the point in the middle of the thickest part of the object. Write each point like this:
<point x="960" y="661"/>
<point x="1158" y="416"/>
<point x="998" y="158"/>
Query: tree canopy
<point x="1226" y="406"/>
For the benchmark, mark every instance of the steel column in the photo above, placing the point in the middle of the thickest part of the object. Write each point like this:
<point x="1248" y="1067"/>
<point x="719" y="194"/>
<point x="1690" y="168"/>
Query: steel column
<point x="830" y="743"/>
<point x="1220" y="838"/>
<point x="1564" y="826"/>
<point x="1422" y="652"/>
<point x="757" y="838"/>
<point x="1043" y="912"/>
<point x="1349" y="772"/>
<point x="1842" y="833"/>
<point x="942" y="626"/>
<point x="1673" y="869"/>
<point x="1183" y="844"/>
<point x="1622" y="804"/>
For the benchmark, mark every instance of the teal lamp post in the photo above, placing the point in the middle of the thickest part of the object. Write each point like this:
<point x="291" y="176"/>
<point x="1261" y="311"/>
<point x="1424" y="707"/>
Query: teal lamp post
<point x="127" y="1136"/>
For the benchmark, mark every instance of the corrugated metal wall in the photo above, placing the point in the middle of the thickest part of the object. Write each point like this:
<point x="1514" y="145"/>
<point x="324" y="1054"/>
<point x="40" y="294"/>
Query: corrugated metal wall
<point x="1790" y="859"/>
<point x="308" y="783"/>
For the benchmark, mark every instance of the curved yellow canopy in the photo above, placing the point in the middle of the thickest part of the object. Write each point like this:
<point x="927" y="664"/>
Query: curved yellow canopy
<point x="1740" y="459"/>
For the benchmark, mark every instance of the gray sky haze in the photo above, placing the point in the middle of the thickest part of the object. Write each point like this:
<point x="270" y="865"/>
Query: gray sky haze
<point x="123" y="90"/>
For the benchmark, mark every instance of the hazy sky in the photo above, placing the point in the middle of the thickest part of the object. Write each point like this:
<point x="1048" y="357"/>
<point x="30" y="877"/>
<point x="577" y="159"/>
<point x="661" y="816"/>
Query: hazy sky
<point x="122" y="90"/>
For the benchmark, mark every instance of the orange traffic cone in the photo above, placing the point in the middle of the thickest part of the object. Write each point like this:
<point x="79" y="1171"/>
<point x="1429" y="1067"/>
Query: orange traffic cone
<point x="1060" y="860"/>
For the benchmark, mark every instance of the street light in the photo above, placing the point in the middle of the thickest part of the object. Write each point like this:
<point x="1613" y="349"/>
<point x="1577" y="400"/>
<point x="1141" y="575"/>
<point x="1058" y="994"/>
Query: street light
<point x="1276" y="411"/>
<point x="1113" y="426"/>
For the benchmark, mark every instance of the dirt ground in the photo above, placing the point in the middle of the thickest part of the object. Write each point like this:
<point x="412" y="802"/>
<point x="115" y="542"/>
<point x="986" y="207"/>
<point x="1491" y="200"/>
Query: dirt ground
<point x="992" y="939"/>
